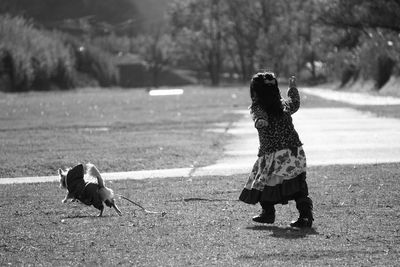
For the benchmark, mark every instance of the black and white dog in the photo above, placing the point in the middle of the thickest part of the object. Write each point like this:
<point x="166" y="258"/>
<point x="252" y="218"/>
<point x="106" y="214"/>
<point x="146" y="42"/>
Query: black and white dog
<point x="76" y="181"/>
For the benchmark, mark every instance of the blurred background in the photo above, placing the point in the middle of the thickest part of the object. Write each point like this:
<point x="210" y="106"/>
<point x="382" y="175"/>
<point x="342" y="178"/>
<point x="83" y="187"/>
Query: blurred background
<point x="57" y="44"/>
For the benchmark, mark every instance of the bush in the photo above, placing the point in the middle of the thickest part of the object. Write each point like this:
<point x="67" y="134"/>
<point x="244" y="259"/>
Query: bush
<point x="97" y="63"/>
<point x="349" y="73"/>
<point x="93" y="61"/>
<point x="377" y="57"/>
<point x="384" y="70"/>
<point x="34" y="59"/>
<point x="113" y="44"/>
<point x="37" y="58"/>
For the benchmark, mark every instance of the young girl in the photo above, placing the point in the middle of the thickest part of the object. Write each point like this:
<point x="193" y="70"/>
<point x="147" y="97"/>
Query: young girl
<point x="279" y="174"/>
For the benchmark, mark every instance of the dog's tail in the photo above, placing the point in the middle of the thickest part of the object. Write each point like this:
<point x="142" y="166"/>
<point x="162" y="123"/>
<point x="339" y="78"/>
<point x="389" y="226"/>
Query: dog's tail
<point x="94" y="172"/>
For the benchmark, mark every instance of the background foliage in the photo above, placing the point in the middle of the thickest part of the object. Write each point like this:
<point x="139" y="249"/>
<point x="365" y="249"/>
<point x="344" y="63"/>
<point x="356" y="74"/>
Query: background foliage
<point x="217" y="40"/>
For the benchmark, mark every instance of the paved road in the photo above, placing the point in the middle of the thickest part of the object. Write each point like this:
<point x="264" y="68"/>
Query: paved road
<point x="330" y="136"/>
<point x="353" y="98"/>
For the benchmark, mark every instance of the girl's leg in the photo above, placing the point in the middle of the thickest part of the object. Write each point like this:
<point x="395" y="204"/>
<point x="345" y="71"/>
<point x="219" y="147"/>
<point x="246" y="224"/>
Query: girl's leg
<point x="305" y="206"/>
<point x="267" y="214"/>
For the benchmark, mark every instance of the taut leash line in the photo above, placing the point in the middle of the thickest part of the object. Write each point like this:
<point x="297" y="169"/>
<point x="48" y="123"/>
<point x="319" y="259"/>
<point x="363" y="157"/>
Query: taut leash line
<point x="144" y="209"/>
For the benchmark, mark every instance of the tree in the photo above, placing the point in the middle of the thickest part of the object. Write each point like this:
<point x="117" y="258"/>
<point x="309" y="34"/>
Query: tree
<point x="79" y="15"/>
<point x="157" y="49"/>
<point x="242" y="33"/>
<point x="369" y="30"/>
<point x="362" y="14"/>
<point x="198" y="28"/>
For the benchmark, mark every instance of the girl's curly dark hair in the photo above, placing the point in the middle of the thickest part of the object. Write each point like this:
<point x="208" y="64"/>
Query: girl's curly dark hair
<point x="264" y="91"/>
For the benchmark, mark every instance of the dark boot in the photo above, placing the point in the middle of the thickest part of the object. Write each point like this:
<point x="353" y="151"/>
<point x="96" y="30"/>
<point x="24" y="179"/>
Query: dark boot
<point x="305" y="206"/>
<point x="267" y="215"/>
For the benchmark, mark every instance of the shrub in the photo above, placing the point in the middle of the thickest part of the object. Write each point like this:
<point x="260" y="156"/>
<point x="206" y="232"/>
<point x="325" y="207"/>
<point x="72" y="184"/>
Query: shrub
<point x="97" y="63"/>
<point x="38" y="58"/>
<point x="113" y="44"/>
<point x="349" y="73"/>
<point x="377" y="56"/>
<point x="385" y="66"/>
<point x="94" y="61"/>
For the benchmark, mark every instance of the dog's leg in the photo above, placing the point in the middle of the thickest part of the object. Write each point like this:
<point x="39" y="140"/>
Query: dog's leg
<point x="101" y="212"/>
<point x="66" y="198"/>
<point x="116" y="209"/>
<point x="69" y="196"/>
<point x="110" y="203"/>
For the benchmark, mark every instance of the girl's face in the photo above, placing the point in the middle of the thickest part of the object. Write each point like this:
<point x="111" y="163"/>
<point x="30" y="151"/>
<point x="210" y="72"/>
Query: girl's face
<point x="254" y="96"/>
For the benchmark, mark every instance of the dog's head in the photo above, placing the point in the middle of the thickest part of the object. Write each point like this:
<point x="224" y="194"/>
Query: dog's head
<point x="70" y="177"/>
<point x="63" y="178"/>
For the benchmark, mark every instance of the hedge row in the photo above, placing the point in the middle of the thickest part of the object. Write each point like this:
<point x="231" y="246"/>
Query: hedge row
<point x="36" y="59"/>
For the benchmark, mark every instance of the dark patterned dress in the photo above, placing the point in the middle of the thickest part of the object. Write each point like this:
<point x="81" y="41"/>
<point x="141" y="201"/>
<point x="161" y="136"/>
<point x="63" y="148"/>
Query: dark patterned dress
<point x="279" y="173"/>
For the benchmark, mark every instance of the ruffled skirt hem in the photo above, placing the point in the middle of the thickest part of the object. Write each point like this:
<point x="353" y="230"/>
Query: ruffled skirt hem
<point x="277" y="177"/>
<point x="278" y="194"/>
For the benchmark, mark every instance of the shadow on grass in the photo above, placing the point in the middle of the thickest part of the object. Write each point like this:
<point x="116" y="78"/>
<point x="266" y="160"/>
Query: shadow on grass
<point x="86" y="215"/>
<point x="284" y="232"/>
<point x="80" y="216"/>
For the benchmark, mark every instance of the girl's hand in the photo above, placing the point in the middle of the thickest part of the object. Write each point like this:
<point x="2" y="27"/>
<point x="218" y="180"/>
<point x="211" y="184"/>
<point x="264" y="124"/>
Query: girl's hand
<point x="260" y="123"/>
<point x="292" y="82"/>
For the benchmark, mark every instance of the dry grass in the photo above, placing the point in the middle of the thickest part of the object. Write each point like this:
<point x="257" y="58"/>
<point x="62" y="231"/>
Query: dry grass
<point x="356" y="223"/>
<point x="118" y="130"/>
<point x="356" y="207"/>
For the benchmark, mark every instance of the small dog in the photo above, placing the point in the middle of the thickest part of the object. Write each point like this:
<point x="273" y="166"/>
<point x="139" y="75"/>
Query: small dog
<point x="89" y="193"/>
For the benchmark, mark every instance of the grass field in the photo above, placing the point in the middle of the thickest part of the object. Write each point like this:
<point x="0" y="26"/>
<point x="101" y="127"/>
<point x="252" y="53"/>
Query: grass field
<point x="356" y="224"/>
<point x="119" y="130"/>
<point x="356" y="207"/>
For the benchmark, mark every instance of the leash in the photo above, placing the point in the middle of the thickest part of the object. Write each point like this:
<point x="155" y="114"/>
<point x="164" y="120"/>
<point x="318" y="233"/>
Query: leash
<point x="163" y="213"/>
<point x="189" y="199"/>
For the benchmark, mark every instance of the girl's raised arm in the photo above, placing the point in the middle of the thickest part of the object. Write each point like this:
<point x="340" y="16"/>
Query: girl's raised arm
<point x="292" y="104"/>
